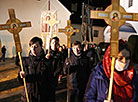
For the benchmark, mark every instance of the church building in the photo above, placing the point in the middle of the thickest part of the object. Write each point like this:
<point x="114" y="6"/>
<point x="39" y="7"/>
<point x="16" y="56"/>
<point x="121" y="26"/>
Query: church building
<point x="30" y="10"/>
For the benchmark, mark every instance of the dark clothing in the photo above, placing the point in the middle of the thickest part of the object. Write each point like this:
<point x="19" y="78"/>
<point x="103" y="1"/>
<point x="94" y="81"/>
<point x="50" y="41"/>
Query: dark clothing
<point x="79" y="74"/>
<point x="3" y="50"/>
<point x="56" y="62"/>
<point x="65" y="53"/>
<point x="97" y="87"/>
<point x="63" y="57"/>
<point x="39" y="79"/>
<point x="17" y="60"/>
<point x="91" y="53"/>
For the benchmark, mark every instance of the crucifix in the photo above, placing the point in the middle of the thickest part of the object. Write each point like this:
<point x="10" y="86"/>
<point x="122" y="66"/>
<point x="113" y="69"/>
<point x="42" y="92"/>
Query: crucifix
<point x="86" y="27"/>
<point x="114" y="15"/>
<point x="14" y="26"/>
<point x="52" y="21"/>
<point x="68" y="30"/>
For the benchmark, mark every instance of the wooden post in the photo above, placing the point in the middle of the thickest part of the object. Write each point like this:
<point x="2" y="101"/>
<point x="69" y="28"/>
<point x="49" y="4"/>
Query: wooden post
<point x="14" y="26"/>
<point x="68" y="30"/>
<point x="114" y="15"/>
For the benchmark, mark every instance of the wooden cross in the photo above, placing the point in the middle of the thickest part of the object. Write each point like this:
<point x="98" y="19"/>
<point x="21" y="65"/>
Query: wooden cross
<point x="51" y="23"/>
<point x="114" y="15"/>
<point x="68" y="30"/>
<point x="14" y="26"/>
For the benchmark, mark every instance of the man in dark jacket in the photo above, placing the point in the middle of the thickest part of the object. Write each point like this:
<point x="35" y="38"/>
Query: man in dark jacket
<point x="79" y="73"/>
<point x="3" y="50"/>
<point x="38" y="75"/>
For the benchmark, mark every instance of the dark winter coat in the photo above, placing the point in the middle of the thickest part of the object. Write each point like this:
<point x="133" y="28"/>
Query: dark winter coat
<point x="3" y="50"/>
<point x="39" y="79"/>
<point x="56" y="64"/>
<point x="80" y="70"/>
<point x="97" y="86"/>
<point x="91" y="53"/>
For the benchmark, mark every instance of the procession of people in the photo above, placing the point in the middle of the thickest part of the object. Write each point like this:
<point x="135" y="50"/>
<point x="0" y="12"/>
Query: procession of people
<point x="92" y="73"/>
<point x="87" y="82"/>
<point x="89" y="76"/>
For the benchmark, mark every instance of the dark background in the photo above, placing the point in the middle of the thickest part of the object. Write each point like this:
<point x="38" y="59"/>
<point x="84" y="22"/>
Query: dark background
<point x="76" y="14"/>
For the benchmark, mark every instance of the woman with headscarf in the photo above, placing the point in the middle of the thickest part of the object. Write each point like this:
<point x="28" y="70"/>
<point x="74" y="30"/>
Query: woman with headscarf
<point x="125" y="84"/>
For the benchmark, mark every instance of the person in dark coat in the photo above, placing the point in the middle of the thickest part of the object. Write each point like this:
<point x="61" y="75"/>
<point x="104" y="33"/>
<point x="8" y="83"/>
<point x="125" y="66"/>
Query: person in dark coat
<point x="78" y="73"/>
<point x="55" y="59"/>
<point x="63" y="57"/>
<point x="125" y="84"/>
<point x="3" y="50"/>
<point x="65" y="50"/>
<point x="38" y="75"/>
<point x="90" y="52"/>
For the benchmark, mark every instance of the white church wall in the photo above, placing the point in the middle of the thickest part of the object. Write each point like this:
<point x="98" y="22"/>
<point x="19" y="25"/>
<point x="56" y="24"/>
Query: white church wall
<point x="99" y="37"/>
<point x="28" y="10"/>
<point x="62" y="16"/>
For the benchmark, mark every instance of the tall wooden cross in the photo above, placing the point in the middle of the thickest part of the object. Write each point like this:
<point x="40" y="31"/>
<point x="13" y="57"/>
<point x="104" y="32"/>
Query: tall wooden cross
<point x="14" y="26"/>
<point x="68" y="30"/>
<point x="114" y="15"/>
<point x="51" y="23"/>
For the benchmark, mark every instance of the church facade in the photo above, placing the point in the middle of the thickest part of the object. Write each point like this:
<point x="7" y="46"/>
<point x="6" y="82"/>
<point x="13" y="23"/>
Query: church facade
<point x="29" y="10"/>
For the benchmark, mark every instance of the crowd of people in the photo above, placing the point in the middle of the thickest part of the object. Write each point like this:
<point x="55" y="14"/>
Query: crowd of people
<point x="42" y="69"/>
<point x="89" y="75"/>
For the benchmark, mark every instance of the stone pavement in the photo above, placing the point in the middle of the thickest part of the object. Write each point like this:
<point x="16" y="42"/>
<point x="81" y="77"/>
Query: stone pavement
<point x="10" y="89"/>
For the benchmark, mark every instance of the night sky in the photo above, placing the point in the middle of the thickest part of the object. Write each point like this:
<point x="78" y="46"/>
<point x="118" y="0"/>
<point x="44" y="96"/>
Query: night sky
<point x="76" y="15"/>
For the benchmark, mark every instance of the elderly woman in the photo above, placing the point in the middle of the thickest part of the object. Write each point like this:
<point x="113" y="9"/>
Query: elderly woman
<point x="125" y="85"/>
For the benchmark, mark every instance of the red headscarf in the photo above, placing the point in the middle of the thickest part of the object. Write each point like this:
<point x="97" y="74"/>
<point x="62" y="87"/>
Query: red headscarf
<point x="122" y="87"/>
